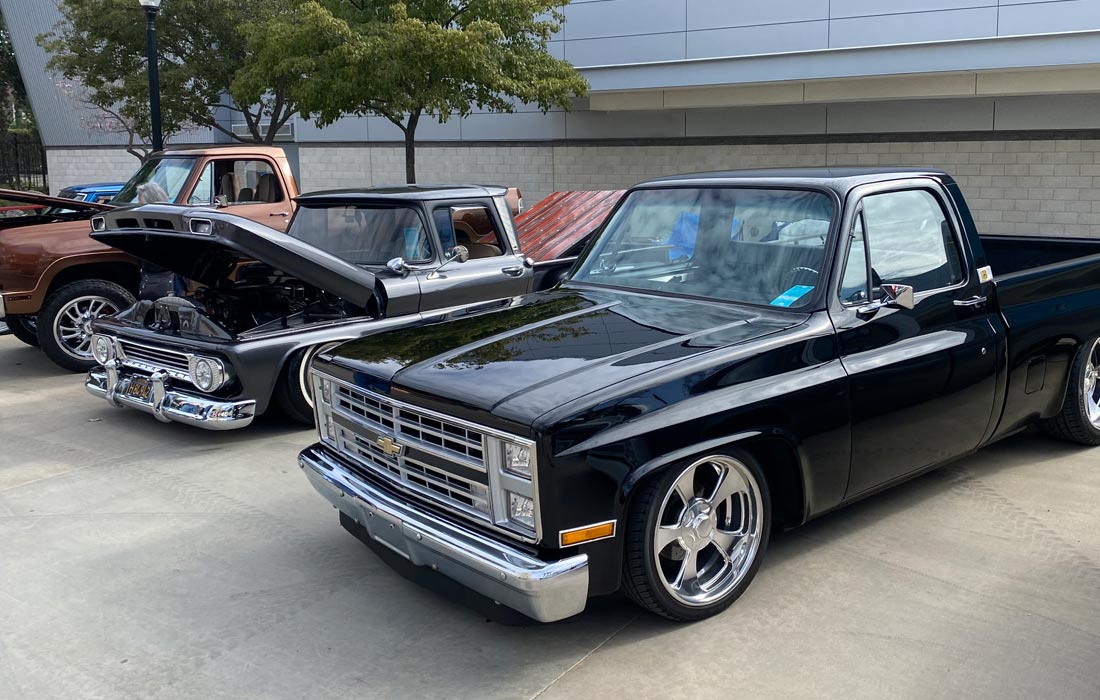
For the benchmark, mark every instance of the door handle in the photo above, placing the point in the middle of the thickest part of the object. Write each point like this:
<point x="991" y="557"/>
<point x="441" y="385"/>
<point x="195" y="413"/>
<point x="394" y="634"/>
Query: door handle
<point x="972" y="301"/>
<point x="512" y="271"/>
<point x="280" y="213"/>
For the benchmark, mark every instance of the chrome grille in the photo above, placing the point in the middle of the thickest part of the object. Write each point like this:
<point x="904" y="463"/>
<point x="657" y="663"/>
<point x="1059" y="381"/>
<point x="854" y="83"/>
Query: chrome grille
<point x="467" y="494"/>
<point x="425" y="430"/>
<point x="419" y="430"/>
<point x="152" y="358"/>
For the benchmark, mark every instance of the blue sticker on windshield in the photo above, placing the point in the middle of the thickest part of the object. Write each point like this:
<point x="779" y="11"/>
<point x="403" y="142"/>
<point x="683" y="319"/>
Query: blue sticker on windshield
<point x="792" y="295"/>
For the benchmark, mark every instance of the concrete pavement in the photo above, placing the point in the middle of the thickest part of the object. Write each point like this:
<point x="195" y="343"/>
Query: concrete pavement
<point x="141" y="560"/>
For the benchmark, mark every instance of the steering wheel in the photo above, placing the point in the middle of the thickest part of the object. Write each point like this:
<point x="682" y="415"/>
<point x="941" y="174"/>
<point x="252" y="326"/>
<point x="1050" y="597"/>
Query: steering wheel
<point x="792" y="277"/>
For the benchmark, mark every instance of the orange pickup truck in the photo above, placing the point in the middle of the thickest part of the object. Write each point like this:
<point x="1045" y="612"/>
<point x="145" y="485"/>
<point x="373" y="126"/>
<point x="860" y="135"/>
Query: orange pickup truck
<point x="55" y="279"/>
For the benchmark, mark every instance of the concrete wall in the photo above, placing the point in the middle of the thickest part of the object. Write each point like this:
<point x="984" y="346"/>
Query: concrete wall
<point x="1014" y="185"/>
<point x="80" y="166"/>
<point x="1022" y="186"/>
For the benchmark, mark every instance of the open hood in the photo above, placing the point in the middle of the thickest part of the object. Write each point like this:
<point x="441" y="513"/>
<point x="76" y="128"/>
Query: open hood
<point x="48" y="201"/>
<point x="206" y="245"/>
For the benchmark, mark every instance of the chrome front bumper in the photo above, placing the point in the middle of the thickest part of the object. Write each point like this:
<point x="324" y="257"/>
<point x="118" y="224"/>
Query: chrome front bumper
<point x="544" y="591"/>
<point x="169" y="406"/>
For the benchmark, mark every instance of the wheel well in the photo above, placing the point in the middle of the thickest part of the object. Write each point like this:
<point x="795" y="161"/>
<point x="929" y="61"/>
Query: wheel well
<point x="780" y="463"/>
<point x="123" y="274"/>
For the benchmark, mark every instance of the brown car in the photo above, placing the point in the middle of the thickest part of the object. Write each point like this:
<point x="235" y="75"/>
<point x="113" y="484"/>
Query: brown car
<point x="55" y="279"/>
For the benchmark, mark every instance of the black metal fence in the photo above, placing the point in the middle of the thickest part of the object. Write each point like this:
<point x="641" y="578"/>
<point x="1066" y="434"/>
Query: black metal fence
<point x="22" y="162"/>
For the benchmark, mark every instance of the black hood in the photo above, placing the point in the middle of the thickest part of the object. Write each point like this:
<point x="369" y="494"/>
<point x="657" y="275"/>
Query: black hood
<point x="550" y="348"/>
<point x="163" y="235"/>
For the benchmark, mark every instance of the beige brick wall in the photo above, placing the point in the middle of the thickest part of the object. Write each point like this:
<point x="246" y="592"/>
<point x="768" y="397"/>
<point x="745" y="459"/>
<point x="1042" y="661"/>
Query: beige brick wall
<point x="1013" y="186"/>
<point x="83" y="166"/>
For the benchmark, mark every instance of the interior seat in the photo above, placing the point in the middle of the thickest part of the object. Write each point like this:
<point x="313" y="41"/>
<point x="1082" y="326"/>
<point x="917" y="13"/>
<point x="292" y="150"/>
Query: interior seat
<point x="228" y="186"/>
<point x="246" y="194"/>
<point x="267" y="188"/>
<point x="466" y="236"/>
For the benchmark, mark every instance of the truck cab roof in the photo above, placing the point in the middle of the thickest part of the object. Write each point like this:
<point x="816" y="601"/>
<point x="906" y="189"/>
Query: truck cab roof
<point x="840" y="179"/>
<point x="407" y="192"/>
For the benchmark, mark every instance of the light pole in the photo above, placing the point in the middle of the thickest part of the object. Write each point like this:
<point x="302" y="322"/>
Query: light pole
<point x="151" y="7"/>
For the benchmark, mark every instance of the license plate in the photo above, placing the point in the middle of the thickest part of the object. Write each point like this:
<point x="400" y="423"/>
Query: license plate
<point x="139" y="388"/>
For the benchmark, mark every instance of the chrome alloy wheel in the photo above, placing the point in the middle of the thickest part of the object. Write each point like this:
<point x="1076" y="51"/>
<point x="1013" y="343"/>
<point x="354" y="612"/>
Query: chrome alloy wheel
<point x="1092" y="385"/>
<point x="72" y="329"/>
<point x="708" y="531"/>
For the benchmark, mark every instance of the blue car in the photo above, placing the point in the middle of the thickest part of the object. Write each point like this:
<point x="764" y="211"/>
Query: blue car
<point x="101" y="192"/>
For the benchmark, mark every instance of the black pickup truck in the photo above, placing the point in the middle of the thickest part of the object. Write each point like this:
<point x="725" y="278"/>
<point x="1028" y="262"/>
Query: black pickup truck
<point x="253" y="303"/>
<point x="734" y="352"/>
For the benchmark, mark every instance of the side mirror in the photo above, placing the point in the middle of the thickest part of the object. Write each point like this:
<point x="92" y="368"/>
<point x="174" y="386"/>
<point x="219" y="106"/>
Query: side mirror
<point x="398" y="265"/>
<point x="221" y="201"/>
<point x="459" y="253"/>
<point x="894" y="296"/>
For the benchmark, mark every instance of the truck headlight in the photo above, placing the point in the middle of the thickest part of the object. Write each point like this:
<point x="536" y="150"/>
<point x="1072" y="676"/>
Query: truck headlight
<point x="517" y="459"/>
<point x="207" y="373"/>
<point x="521" y="510"/>
<point x="102" y="349"/>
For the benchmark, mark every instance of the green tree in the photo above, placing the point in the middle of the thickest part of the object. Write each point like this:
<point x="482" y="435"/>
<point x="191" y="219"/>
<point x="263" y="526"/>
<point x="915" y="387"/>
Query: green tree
<point x="404" y="60"/>
<point x="100" y="45"/>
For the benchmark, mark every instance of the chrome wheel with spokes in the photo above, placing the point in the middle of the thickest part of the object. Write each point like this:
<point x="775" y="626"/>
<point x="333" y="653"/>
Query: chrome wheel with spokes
<point x="708" y="531"/>
<point x="65" y="320"/>
<point x="1092" y="384"/>
<point x="72" y="328"/>
<point x="695" y="536"/>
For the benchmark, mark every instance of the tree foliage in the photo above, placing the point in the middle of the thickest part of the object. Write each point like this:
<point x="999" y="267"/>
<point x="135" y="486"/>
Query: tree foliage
<point x="406" y="59"/>
<point x="100" y="44"/>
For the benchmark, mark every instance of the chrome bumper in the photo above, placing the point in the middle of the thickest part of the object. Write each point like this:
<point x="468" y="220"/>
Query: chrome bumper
<point x="169" y="406"/>
<point x="544" y="591"/>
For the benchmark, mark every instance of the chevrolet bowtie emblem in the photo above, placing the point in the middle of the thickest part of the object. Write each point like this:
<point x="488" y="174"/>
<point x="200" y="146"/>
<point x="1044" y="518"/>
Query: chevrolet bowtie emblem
<point x="389" y="446"/>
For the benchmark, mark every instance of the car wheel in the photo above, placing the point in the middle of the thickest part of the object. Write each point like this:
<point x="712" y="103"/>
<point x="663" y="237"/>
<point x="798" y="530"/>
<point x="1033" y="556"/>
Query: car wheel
<point x="695" y="536"/>
<point x="23" y="328"/>
<point x="292" y="393"/>
<point x="1079" y="419"/>
<point x="65" y="321"/>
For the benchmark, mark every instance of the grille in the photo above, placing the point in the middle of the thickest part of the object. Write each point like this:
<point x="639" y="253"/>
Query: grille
<point x="428" y="431"/>
<point x="153" y="358"/>
<point x="417" y="430"/>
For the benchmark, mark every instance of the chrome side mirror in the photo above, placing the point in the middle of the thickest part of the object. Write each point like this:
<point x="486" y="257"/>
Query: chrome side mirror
<point x="894" y="296"/>
<point x="221" y="201"/>
<point x="459" y="253"/>
<point x="398" y="265"/>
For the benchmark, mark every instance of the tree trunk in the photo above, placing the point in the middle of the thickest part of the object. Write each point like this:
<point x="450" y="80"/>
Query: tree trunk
<point x="410" y="147"/>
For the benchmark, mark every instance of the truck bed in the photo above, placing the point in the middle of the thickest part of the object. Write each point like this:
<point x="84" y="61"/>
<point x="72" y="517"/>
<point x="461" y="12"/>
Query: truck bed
<point x="1009" y="255"/>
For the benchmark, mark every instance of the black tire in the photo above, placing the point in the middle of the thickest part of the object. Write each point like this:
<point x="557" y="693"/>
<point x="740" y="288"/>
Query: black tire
<point x="644" y="583"/>
<point x="115" y="299"/>
<point x="290" y="392"/>
<point x="23" y="328"/>
<point x="1073" y="422"/>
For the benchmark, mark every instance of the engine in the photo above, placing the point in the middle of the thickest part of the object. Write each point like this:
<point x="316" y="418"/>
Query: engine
<point x="255" y="297"/>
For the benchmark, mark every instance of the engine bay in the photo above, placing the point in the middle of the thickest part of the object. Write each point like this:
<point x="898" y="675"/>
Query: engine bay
<point x="254" y="299"/>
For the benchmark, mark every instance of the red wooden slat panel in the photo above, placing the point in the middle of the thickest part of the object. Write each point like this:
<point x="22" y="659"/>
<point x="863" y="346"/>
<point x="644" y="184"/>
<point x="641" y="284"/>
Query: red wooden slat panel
<point x="551" y="226"/>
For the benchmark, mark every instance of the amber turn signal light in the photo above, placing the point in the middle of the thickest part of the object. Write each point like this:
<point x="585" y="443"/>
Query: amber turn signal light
<point x="579" y="535"/>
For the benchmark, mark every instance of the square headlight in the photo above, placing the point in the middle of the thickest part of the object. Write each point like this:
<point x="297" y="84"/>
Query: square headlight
<point x="517" y="459"/>
<point x="521" y="510"/>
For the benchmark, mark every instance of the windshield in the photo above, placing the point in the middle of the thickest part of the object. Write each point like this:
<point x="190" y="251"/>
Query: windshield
<point x="158" y="180"/>
<point x="757" y="246"/>
<point x="364" y="235"/>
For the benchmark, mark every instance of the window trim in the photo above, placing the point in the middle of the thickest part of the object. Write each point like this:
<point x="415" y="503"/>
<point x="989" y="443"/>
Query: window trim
<point x="935" y="190"/>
